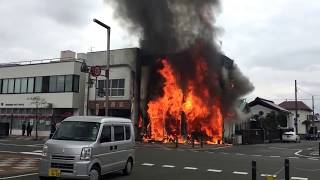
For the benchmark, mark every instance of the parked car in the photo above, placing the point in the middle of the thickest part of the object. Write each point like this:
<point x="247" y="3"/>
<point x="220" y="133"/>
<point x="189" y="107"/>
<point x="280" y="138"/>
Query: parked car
<point x="85" y="147"/>
<point x="290" y="137"/>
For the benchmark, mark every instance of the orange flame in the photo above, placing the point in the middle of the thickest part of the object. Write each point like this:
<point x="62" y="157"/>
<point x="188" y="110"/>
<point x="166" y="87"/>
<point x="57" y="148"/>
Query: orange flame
<point x="166" y="112"/>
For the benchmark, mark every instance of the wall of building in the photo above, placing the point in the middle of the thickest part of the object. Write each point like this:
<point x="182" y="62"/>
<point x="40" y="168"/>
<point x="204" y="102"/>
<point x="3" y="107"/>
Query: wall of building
<point x="303" y="116"/>
<point x="257" y="108"/>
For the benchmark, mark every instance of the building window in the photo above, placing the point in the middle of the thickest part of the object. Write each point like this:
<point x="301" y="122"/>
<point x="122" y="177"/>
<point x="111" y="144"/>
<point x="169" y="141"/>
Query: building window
<point x="75" y="83"/>
<point x="0" y="86"/>
<point x="68" y="83"/>
<point x="53" y="84"/>
<point x="116" y="87"/>
<point x="60" y="83"/>
<point x="101" y="88"/>
<point x="24" y="85"/>
<point x="38" y="85"/>
<point x="5" y="86"/>
<point x="11" y="86"/>
<point x="45" y="84"/>
<point x="30" y="85"/>
<point x="17" y="86"/>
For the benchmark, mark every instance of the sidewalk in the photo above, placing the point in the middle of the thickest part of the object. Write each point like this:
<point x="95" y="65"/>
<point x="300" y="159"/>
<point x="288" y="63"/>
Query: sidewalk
<point x="13" y="164"/>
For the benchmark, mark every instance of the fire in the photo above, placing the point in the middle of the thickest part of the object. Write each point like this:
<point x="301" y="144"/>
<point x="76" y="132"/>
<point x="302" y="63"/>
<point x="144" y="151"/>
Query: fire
<point x="176" y="107"/>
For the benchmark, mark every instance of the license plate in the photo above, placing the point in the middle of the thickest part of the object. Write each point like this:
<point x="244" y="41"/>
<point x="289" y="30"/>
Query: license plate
<point x="54" y="172"/>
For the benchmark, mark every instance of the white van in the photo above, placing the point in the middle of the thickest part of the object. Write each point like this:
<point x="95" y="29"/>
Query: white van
<point x="86" y="147"/>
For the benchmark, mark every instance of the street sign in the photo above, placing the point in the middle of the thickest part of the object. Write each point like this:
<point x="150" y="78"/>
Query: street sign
<point x="95" y="71"/>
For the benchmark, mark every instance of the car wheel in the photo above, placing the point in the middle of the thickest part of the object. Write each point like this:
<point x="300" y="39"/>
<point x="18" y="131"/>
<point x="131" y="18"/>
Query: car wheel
<point x="94" y="174"/>
<point x="128" y="169"/>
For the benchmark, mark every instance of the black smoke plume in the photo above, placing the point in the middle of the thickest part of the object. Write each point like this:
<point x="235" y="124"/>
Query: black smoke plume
<point x="183" y="31"/>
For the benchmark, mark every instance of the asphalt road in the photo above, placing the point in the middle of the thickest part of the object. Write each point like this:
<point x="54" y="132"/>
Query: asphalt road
<point x="230" y="163"/>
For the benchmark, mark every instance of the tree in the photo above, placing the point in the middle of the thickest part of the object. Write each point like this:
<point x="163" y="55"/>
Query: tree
<point x="38" y="102"/>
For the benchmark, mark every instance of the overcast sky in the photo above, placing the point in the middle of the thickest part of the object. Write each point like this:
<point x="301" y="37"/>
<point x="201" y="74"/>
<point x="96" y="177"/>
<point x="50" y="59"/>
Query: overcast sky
<point x="273" y="41"/>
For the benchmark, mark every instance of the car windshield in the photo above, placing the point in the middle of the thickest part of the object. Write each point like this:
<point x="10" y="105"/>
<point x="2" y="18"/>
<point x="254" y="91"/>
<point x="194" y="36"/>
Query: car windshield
<point x="77" y="131"/>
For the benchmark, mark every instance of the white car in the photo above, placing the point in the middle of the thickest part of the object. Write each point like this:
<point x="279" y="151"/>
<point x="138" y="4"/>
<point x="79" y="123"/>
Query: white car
<point x="290" y="137"/>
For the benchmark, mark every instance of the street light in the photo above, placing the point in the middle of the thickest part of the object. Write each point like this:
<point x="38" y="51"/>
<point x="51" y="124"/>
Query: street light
<point x="108" y="64"/>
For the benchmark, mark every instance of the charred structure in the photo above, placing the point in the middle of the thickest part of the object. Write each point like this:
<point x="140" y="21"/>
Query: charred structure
<point x="192" y="86"/>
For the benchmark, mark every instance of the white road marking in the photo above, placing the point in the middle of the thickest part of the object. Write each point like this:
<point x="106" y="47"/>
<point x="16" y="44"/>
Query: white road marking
<point x="314" y="159"/>
<point x="257" y="155"/>
<point x="147" y="164"/>
<point x="299" y="178"/>
<point x="32" y="153"/>
<point x="37" y="151"/>
<point x="293" y="157"/>
<point x="168" y="166"/>
<point x="22" y="145"/>
<point x="23" y="175"/>
<point x="274" y="156"/>
<point x="224" y="153"/>
<point x="239" y="154"/>
<point x="214" y="170"/>
<point x="190" y="168"/>
<point x="264" y="175"/>
<point x="240" y="173"/>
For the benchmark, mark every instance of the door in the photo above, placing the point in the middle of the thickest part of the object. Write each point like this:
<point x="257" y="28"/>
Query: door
<point x="104" y="150"/>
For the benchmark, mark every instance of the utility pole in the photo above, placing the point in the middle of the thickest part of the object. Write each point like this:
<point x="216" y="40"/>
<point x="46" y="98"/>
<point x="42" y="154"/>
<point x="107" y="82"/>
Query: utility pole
<point x="313" y="125"/>
<point x="296" y="106"/>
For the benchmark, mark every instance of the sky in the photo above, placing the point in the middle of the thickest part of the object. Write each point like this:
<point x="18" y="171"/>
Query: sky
<point x="274" y="42"/>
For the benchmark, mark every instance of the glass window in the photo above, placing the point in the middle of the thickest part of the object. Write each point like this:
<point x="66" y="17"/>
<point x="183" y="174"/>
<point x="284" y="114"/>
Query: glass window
<point x="101" y="88"/>
<point x="17" y="86"/>
<point x="11" y="86"/>
<point x="121" y="83"/>
<point x="77" y="131"/>
<point x="5" y="86"/>
<point x="106" y="134"/>
<point x="128" y="132"/>
<point x="30" y="84"/>
<point x="60" y="83"/>
<point x="75" y="83"/>
<point x="118" y="133"/>
<point x="68" y="83"/>
<point x="45" y="84"/>
<point x="24" y="84"/>
<point x="0" y="86"/>
<point x="53" y="84"/>
<point x="114" y="83"/>
<point x="38" y="86"/>
<point x="116" y="87"/>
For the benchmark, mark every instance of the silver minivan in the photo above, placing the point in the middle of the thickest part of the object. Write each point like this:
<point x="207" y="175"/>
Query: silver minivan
<point x="86" y="147"/>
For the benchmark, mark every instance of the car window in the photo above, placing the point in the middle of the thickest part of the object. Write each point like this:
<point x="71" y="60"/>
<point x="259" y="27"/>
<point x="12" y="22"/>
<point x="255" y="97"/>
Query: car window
<point x="118" y="133"/>
<point x="128" y="132"/>
<point x="106" y="134"/>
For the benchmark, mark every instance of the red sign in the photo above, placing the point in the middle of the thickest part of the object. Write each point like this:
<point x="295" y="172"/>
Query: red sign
<point x="95" y="71"/>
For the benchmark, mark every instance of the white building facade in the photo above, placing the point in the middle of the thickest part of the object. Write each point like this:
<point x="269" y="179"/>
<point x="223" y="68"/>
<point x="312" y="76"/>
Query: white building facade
<point x="59" y="83"/>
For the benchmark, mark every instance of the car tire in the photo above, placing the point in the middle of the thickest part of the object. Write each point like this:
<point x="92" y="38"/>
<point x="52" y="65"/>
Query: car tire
<point x="94" y="174"/>
<point x="128" y="169"/>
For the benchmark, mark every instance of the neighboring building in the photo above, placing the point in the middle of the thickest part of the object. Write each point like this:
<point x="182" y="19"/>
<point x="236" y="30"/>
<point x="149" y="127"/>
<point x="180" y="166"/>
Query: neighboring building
<point x="304" y="112"/>
<point x="124" y="79"/>
<point x="58" y="81"/>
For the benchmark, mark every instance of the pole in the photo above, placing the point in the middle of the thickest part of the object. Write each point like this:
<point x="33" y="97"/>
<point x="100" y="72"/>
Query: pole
<point x="254" y="170"/>
<point x="313" y="125"/>
<point x="88" y="89"/>
<point x="107" y="66"/>
<point x="296" y="107"/>
<point x="107" y="74"/>
<point x="37" y="109"/>
<point x="286" y="166"/>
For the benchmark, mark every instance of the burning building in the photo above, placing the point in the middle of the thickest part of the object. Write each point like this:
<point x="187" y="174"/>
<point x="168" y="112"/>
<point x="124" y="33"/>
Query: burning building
<point x="192" y="88"/>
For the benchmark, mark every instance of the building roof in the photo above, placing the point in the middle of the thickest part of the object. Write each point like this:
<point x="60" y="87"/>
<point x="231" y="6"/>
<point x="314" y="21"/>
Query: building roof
<point x="290" y="105"/>
<point x="269" y="104"/>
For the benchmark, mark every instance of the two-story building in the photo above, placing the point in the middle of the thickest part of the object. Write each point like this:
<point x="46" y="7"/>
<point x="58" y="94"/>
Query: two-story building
<point x="58" y="83"/>
<point x="304" y="112"/>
